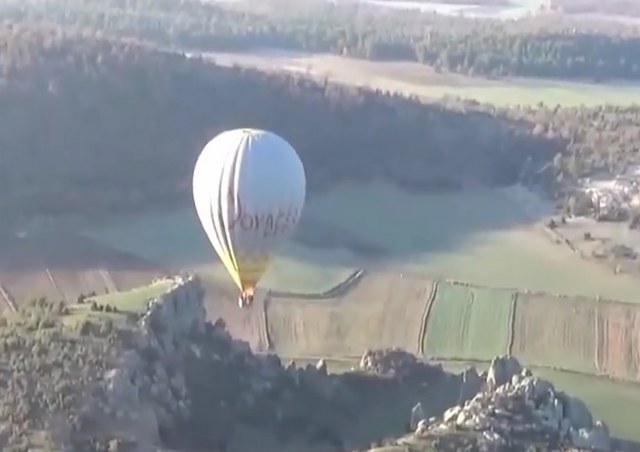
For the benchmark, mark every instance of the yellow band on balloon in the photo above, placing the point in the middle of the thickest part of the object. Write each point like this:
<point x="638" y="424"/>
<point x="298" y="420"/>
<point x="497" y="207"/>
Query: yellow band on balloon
<point x="227" y="261"/>
<point x="251" y="267"/>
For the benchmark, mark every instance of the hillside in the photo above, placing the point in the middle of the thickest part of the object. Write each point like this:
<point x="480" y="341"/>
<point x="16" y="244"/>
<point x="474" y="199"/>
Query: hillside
<point x="110" y="97"/>
<point x="165" y="106"/>
<point x="131" y="378"/>
<point x="424" y="236"/>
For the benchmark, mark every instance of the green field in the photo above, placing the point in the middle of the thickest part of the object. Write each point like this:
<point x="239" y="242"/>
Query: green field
<point x="527" y="92"/>
<point x="134" y="300"/>
<point x="483" y="237"/>
<point x="176" y="239"/>
<point x="468" y="323"/>
<point x="287" y="273"/>
<point x="420" y="80"/>
<point x="616" y="403"/>
<point x="126" y="302"/>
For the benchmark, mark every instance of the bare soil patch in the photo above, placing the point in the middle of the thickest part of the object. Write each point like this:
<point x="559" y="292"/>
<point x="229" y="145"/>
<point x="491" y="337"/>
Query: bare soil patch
<point x="556" y="332"/>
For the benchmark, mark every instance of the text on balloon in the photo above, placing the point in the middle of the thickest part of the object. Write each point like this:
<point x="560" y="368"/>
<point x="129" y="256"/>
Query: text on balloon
<point x="268" y="224"/>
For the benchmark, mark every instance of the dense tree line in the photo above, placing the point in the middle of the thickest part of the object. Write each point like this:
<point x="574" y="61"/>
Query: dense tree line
<point x="603" y="139"/>
<point x="542" y="47"/>
<point x="89" y="125"/>
<point x="47" y="367"/>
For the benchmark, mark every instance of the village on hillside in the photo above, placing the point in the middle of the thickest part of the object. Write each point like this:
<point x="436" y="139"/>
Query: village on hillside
<point x="601" y="220"/>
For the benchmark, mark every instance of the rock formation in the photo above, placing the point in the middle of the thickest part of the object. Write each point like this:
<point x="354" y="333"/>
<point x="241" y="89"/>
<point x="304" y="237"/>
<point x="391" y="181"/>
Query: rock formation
<point x="185" y="383"/>
<point x="513" y="409"/>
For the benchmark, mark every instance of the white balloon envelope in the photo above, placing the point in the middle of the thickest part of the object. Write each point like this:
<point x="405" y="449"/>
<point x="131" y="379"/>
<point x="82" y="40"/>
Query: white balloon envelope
<point x="249" y="188"/>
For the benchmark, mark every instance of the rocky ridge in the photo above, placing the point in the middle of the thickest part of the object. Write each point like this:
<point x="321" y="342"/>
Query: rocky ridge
<point x="184" y="383"/>
<point x="511" y="410"/>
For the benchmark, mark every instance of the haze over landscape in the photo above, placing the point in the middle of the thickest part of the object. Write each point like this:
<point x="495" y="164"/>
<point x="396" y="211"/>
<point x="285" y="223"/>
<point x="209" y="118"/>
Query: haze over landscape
<point x="465" y="273"/>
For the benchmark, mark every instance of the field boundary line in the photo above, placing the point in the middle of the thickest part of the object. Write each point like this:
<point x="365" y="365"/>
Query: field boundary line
<point x="359" y="275"/>
<point x="512" y="323"/>
<point x="340" y="289"/>
<point x="265" y="322"/>
<point x="55" y="285"/>
<point x="108" y="280"/>
<point x="8" y="299"/>
<point x="596" y="358"/>
<point x="522" y="290"/>
<point x="422" y="334"/>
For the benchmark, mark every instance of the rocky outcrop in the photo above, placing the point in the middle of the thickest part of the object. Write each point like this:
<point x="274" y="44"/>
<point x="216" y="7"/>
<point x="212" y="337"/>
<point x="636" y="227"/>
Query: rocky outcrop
<point x="146" y="392"/>
<point x="184" y="383"/>
<point x="398" y="363"/>
<point x="512" y="409"/>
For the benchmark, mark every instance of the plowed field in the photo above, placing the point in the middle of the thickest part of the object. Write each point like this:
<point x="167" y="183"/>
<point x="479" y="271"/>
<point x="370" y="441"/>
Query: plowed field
<point x="382" y="310"/>
<point x="618" y="338"/>
<point x="556" y="332"/>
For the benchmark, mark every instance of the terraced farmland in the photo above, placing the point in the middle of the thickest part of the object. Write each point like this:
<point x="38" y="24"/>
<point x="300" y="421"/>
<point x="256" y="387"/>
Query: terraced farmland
<point x="20" y="286"/>
<point x="369" y="315"/>
<point x="556" y="332"/>
<point x="468" y="323"/>
<point x="62" y="265"/>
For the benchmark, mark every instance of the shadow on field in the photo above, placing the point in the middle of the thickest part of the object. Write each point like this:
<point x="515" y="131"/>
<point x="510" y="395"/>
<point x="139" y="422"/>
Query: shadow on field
<point x="359" y="225"/>
<point x="378" y="222"/>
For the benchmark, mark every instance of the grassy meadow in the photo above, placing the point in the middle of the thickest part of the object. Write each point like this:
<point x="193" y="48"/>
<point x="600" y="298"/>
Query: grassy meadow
<point x="132" y="301"/>
<point x="468" y="323"/>
<point x="616" y="403"/>
<point x="486" y="237"/>
<point x="483" y="237"/>
<point x="176" y="239"/>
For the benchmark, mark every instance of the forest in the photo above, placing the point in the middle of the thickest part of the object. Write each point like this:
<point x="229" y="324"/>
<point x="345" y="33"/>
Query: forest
<point x="90" y="125"/>
<point x="546" y="46"/>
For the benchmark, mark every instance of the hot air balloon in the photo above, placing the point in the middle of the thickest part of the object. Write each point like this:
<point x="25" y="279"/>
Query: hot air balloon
<point x="249" y="188"/>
